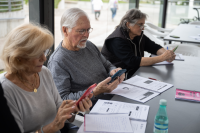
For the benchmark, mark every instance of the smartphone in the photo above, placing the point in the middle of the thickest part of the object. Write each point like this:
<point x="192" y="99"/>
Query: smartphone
<point x="175" y="48"/>
<point x="117" y="74"/>
<point x="174" y="36"/>
<point x="87" y="92"/>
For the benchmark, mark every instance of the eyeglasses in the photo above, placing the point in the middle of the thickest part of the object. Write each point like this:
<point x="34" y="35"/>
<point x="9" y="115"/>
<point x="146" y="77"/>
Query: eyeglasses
<point x="82" y="31"/>
<point x="47" y="52"/>
<point x="141" y="26"/>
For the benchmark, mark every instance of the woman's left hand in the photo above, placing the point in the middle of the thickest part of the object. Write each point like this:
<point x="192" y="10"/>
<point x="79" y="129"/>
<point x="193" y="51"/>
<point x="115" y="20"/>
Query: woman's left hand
<point x="85" y="104"/>
<point x="121" y="78"/>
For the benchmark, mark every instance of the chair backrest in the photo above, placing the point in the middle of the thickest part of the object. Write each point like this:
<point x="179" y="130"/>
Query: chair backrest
<point x="157" y="28"/>
<point x="155" y="32"/>
<point x="186" y="49"/>
<point x="153" y="38"/>
<point x="195" y="23"/>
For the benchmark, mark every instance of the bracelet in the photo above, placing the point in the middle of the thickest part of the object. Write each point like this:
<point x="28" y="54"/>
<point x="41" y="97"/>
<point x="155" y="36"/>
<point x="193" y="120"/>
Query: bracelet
<point x="42" y="129"/>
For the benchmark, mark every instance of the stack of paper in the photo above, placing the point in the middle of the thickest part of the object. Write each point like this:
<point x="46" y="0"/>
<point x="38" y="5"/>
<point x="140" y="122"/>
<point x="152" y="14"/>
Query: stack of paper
<point x="134" y="111"/>
<point x="117" y="123"/>
<point x="112" y="116"/>
<point x="140" y="89"/>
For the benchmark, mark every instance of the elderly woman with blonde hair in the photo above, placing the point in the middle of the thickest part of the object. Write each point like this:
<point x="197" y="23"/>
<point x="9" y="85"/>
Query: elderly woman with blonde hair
<point x="28" y="85"/>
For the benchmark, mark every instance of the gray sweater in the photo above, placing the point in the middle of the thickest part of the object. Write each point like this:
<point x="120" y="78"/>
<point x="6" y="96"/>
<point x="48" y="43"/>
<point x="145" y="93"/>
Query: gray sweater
<point x="74" y="71"/>
<point x="32" y="110"/>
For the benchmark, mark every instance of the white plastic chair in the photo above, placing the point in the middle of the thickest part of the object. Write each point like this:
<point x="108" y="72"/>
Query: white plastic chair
<point x="185" y="49"/>
<point x="151" y="36"/>
<point x="157" y="28"/>
<point x="155" y="32"/>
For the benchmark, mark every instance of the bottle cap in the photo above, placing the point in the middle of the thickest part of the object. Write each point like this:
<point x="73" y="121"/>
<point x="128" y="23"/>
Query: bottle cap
<point x="163" y="102"/>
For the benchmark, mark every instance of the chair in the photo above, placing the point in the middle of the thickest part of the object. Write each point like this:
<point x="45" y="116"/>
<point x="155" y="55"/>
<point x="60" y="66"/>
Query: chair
<point x="186" y="49"/>
<point x="157" y="28"/>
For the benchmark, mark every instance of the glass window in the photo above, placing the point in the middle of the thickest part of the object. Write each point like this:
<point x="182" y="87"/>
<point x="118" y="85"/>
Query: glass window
<point x="12" y="14"/>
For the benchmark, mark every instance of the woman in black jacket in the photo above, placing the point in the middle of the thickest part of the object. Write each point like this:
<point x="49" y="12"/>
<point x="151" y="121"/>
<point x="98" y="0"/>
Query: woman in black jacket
<point x="126" y="45"/>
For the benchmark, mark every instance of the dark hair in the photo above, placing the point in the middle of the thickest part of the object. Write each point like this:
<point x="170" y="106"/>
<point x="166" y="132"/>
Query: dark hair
<point x="131" y="16"/>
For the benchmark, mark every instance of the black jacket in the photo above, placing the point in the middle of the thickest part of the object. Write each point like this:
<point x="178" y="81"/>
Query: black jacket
<point x="123" y="52"/>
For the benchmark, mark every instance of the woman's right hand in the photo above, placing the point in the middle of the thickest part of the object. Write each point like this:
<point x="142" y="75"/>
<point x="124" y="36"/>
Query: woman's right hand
<point x="168" y="55"/>
<point x="64" y="112"/>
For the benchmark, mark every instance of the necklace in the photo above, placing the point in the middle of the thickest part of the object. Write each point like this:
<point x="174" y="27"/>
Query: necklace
<point x="33" y="84"/>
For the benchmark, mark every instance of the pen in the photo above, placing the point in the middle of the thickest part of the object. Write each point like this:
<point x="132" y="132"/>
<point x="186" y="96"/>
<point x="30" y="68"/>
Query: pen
<point x="167" y="47"/>
<point x="155" y="79"/>
<point x="152" y="78"/>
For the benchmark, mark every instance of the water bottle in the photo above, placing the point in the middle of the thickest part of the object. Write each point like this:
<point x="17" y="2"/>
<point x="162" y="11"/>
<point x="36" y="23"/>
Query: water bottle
<point x="161" y="120"/>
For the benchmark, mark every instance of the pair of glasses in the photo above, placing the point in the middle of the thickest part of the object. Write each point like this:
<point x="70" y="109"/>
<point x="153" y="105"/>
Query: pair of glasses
<point x="141" y="26"/>
<point x="82" y="31"/>
<point x="47" y="52"/>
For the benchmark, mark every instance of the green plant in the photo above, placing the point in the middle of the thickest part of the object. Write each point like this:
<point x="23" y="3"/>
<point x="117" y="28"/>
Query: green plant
<point x="1" y="71"/>
<point x="56" y="2"/>
<point x="15" y="6"/>
<point x="26" y="2"/>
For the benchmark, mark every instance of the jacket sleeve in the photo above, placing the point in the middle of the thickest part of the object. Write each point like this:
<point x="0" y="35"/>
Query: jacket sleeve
<point x="123" y="51"/>
<point x="62" y="81"/>
<point x="151" y="46"/>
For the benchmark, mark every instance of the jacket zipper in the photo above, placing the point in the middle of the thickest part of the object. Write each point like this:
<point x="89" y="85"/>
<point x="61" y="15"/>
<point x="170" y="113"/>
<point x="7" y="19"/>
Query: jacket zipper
<point x="135" y="45"/>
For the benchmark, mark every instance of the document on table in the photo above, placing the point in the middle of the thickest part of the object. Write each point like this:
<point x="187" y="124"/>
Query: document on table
<point x="137" y="127"/>
<point x="161" y="63"/>
<point x="196" y="37"/>
<point x="134" y="111"/>
<point x="148" y="84"/>
<point x="115" y="123"/>
<point x="179" y="57"/>
<point x="134" y="92"/>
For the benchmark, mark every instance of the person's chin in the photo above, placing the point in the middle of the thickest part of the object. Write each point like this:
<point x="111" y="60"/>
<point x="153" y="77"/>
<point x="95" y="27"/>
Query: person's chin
<point x="39" y="68"/>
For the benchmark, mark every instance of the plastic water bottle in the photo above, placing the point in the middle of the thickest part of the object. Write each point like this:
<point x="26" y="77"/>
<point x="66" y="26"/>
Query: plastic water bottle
<point x="161" y="120"/>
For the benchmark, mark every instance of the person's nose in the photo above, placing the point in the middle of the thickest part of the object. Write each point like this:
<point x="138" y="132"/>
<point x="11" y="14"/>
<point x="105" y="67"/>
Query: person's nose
<point x="86" y="34"/>
<point x="43" y="58"/>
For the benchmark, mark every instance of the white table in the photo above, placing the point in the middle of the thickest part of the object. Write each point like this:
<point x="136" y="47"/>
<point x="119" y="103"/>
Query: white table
<point x="185" y="31"/>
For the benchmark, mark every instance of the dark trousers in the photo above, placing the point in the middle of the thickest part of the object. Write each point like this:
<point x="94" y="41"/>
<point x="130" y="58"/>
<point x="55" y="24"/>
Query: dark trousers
<point x="97" y="14"/>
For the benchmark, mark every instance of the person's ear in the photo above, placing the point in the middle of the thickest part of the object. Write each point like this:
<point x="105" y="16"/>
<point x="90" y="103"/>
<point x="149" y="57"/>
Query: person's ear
<point x="65" y="31"/>
<point x="128" y="25"/>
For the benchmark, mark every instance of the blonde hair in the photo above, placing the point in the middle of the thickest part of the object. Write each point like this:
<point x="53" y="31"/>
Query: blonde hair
<point x="26" y="41"/>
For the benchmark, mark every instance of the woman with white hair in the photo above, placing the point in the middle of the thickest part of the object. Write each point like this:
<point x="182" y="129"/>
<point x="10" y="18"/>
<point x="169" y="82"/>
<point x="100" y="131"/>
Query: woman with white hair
<point x="28" y="85"/>
<point x="126" y="45"/>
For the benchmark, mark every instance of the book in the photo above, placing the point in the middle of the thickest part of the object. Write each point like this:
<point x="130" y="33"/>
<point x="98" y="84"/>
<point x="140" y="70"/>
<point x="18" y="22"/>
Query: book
<point x="188" y="95"/>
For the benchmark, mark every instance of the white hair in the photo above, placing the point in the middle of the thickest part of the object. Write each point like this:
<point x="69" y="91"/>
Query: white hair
<point x="70" y="18"/>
